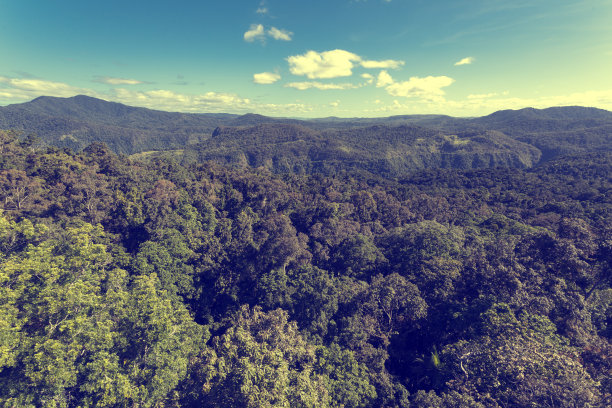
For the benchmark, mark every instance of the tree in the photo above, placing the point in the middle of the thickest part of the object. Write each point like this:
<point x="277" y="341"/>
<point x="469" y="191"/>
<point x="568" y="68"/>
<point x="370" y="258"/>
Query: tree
<point x="262" y="361"/>
<point x="520" y="361"/>
<point x="17" y="189"/>
<point x="427" y="254"/>
<point x="75" y="332"/>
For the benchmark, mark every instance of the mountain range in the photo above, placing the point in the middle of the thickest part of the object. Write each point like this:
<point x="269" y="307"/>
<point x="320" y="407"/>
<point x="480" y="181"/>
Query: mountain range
<point x="388" y="146"/>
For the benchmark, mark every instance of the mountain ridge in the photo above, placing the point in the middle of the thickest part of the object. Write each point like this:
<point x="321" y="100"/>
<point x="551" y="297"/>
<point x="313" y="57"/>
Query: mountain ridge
<point x="391" y="145"/>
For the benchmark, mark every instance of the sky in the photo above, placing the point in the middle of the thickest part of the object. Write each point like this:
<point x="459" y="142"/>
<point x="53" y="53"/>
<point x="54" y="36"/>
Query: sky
<point x="345" y="58"/>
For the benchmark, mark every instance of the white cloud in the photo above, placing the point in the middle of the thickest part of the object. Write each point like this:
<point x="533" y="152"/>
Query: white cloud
<point x="28" y="88"/>
<point x="429" y="87"/>
<point x="266" y="78"/>
<point x="482" y="96"/>
<point x="172" y="101"/>
<point x="277" y="34"/>
<point x="465" y="61"/>
<point x="384" y="79"/>
<point x="484" y="106"/>
<point x="256" y="32"/>
<point x="601" y="99"/>
<point x="263" y="8"/>
<point x="368" y="77"/>
<point x="117" y="81"/>
<point x="14" y="90"/>
<point x="388" y="64"/>
<point x="319" y="85"/>
<point x="327" y="64"/>
<point x="335" y="63"/>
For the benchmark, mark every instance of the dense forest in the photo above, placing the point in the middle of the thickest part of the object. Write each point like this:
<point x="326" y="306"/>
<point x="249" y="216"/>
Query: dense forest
<point x="390" y="145"/>
<point x="169" y="283"/>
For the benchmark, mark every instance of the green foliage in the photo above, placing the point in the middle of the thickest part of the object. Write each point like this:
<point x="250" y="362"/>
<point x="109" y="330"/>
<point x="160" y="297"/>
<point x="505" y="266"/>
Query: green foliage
<point x="262" y="361"/>
<point x="521" y="361"/>
<point x="347" y="379"/>
<point x="127" y="283"/>
<point x="71" y="323"/>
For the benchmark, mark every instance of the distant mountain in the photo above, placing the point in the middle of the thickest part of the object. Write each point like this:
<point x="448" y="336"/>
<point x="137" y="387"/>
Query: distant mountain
<point x="390" y="151"/>
<point x="555" y="131"/>
<point x="390" y="146"/>
<point x="78" y="121"/>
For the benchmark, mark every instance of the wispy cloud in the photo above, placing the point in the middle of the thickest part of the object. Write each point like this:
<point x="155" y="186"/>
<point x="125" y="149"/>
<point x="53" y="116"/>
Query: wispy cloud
<point x="302" y="86"/>
<point x="484" y="96"/>
<point x="494" y="7"/>
<point x="263" y="8"/>
<point x="207" y="102"/>
<point x="13" y="89"/>
<point x="24" y="74"/>
<point x="266" y="78"/>
<point x="368" y="77"/>
<point x="278" y="34"/>
<point x="116" y="81"/>
<point x="256" y="32"/>
<point x="388" y="64"/>
<point x="482" y="104"/>
<point x="465" y="61"/>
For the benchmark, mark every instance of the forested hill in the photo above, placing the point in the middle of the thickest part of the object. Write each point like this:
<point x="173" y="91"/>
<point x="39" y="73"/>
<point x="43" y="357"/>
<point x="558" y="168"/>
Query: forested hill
<point x="78" y="121"/>
<point x="386" y="146"/>
<point x="382" y="150"/>
<point x="130" y="283"/>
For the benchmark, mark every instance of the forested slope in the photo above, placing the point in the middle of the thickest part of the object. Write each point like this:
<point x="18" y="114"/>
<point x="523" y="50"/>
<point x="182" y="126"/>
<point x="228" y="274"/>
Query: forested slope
<point x="391" y="146"/>
<point x="126" y="283"/>
<point x="387" y="151"/>
<point x="80" y="120"/>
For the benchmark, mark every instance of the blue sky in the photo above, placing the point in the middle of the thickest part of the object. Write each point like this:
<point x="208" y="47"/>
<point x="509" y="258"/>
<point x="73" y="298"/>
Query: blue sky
<point x="311" y="58"/>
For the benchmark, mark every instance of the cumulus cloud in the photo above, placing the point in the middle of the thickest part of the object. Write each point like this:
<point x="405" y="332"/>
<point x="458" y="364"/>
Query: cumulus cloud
<point x="334" y="63"/>
<point x="384" y="79"/>
<point x="256" y="32"/>
<point x="266" y="78"/>
<point x="387" y="64"/>
<point x="282" y="35"/>
<point x="302" y="86"/>
<point x="465" y="61"/>
<point x="116" y="81"/>
<point x="327" y="64"/>
<point x="429" y="87"/>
